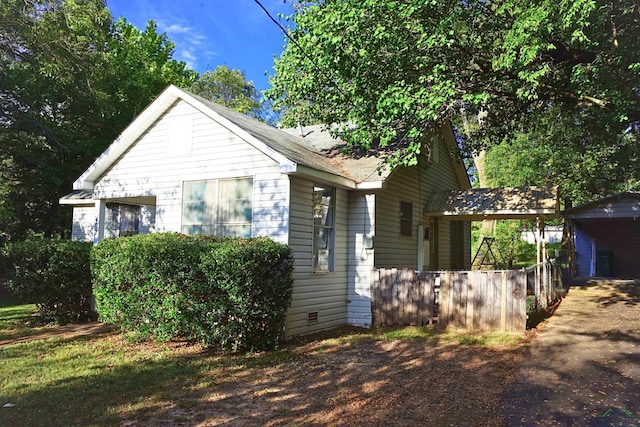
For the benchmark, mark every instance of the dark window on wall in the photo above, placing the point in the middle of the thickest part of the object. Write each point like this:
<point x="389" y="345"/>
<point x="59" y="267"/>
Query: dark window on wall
<point x="406" y="219"/>
<point x="324" y="199"/>
<point x="122" y="220"/>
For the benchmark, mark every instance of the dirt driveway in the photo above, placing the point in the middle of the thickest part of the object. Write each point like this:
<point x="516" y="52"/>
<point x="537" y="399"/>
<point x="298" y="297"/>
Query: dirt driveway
<point x="584" y="367"/>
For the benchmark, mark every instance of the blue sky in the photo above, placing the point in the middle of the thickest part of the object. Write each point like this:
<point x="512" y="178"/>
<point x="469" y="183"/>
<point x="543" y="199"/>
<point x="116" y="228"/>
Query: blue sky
<point x="208" y="33"/>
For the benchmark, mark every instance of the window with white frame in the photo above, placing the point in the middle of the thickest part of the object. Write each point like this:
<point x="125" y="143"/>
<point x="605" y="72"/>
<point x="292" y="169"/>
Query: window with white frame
<point x="220" y="207"/>
<point x="122" y="220"/>
<point x="324" y="199"/>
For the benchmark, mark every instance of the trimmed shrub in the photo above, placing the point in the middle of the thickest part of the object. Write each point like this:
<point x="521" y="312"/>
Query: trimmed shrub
<point x="252" y="282"/>
<point x="140" y="282"/>
<point x="53" y="274"/>
<point x="230" y="293"/>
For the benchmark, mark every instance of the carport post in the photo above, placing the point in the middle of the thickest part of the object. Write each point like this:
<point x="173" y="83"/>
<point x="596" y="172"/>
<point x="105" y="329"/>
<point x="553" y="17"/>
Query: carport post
<point x="537" y="277"/>
<point x="544" y="292"/>
<point x="101" y="209"/>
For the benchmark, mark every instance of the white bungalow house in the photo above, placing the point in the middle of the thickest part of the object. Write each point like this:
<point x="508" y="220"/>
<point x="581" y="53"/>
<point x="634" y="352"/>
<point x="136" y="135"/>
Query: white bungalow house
<point x="188" y="165"/>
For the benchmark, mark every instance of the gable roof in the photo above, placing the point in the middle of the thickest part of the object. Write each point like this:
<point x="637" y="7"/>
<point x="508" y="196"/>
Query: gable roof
<point x="368" y="167"/>
<point x="622" y="205"/>
<point x="297" y="149"/>
<point x="320" y="156"/>
<point x="292" y="153"/>
<point x="495" y="203"/>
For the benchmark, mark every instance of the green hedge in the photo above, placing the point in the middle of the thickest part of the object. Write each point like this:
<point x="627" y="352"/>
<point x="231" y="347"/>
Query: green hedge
<point x="230" y="293"/>
<point x="54" y="274"/>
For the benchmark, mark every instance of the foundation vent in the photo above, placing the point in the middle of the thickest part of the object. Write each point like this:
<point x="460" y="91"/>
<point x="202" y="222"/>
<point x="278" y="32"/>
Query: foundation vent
<point x="312" y="318"/>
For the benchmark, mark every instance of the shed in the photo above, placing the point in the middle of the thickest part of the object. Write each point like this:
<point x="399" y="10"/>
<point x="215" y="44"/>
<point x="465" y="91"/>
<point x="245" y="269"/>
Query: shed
<point x="606" y="235"/>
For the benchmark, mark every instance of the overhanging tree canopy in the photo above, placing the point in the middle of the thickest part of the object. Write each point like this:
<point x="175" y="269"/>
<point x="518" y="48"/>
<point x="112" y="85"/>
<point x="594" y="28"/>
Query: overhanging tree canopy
<point x="70" y="80"/>
<point x="396" y="67"/>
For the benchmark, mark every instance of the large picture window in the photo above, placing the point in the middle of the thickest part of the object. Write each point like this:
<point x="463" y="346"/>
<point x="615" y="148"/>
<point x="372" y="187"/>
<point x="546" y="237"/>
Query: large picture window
<point x="221" y="207"/>
<point x="324" y="199"/>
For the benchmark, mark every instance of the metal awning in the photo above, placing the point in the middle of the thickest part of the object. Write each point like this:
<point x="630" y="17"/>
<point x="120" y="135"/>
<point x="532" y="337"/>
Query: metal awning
<point x="495" y="203"/>
<point x="86" y="198"/>
<point x="78" y="197"/>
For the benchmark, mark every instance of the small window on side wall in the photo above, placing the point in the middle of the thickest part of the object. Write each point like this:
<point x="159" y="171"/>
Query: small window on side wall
<point x="406" y="219"/>
<point x="324" y="199"/>
<point x="122" y="220"/>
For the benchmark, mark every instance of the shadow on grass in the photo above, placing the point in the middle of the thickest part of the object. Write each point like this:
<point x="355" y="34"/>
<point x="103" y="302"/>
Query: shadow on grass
<point x="334" y="378"/>
<point x="17" y="320"/>
<point x="102" y="393"/>
<point x="7" y="300"/>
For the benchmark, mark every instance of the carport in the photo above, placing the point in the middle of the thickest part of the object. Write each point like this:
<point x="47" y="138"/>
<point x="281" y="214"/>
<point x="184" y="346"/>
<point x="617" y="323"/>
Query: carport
<point x="477" y="204"/>
<point x="606" y="234"/>
<point x="536" y="202"/>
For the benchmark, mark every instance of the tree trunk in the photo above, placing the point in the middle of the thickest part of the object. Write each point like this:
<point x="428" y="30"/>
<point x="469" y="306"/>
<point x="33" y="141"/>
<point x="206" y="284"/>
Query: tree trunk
<point x="488" y="225"/>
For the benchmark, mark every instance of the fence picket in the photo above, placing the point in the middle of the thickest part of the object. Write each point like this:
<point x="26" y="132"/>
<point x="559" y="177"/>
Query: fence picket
<point x="486" y="300"/>
<point x="395" y="314"/>
<point x="471" y="301"/>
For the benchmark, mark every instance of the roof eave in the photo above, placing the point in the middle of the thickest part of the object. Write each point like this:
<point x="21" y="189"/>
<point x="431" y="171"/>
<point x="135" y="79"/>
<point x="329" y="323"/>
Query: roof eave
<point x="497" y="214"/>
<point x="371" y="185"/>
<point x="77" y="203"/>
<point x="312" y="173"/>
<point x="77" y="198"/>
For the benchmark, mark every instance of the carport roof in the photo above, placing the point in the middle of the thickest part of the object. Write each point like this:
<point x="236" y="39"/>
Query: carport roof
<point x="495" y="203"/>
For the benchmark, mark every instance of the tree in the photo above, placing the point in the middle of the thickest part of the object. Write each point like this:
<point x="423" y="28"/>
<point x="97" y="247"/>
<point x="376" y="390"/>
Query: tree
<point x="70" y="80"/>
<point x="583" y="161"/>
<point x="396" y="68"/>
<point x="48" y="55"/>
<point x="139" y="65"/>
<point x="229" y="88"/>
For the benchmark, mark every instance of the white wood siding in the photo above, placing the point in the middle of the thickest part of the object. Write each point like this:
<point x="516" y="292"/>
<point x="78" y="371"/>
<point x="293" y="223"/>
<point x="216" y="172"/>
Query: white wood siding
<point x="271" y="206"/>
<point x="414" y="185"/>
<point x="154" y="166"/>
<point x="324" y="293"/>
<point x="84" y="221"/>
<point x="147" y="219"/>
<point x="361" y="257"/>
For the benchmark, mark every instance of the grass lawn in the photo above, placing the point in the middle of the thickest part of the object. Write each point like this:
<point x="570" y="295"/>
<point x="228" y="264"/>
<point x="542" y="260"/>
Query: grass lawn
<point x="344" y="377"/>
<point x="16" y="319"/>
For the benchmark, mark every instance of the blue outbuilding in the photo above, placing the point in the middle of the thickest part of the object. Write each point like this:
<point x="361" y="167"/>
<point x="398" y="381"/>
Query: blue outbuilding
<point x="606" y="236"/>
